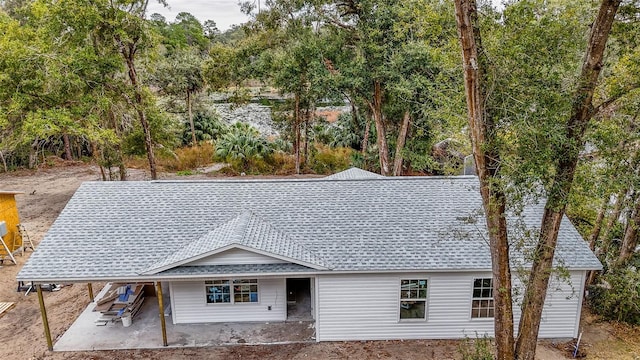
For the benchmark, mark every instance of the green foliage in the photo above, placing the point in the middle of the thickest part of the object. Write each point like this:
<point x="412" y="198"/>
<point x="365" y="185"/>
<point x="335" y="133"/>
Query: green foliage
<point x="164" y="131"/>
<point x="345" y="132"/>
<point x="327" y="160"/>
<point x="618" y="297"/>
<point x="242" y="145"/>
<point x="208" y="127"/>
<point x="478" y="349"/>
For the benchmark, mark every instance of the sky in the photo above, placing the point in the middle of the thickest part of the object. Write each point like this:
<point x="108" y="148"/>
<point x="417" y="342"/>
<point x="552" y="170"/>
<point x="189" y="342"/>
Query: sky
<point x="224" y="12"/>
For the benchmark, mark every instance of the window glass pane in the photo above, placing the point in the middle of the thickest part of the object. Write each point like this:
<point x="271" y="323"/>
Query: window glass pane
<point x="217" y="291"/>
<point x="245" y="290"/>
<point x="413" y="295"/>
<point x="412" y="309"/>
<point x="482" y="303"/>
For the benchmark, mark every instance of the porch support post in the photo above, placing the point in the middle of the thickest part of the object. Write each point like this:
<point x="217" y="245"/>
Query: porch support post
<point x="90" y="292"/>
<point x="45" y="322"/>
<point x="161" y="310"/>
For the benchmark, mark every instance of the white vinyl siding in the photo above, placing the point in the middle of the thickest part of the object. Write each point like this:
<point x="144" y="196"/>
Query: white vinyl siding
<point x="365" y="307"/>
<point x="190" y="306"/>
<point x="561" y="312"/>
<point x="234" y="257"/>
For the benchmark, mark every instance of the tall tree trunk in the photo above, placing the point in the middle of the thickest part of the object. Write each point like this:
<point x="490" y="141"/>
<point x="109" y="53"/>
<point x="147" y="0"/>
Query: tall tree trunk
<point x="595" y="234"/>
<point x="566" y="160"/>
<point x="365" y="138"/>
<point x="33" y="153"/>
<point x="378" y="119"/>
<point x="95" y="153"/>
<point x="67" y="147"/>
<point x="613" y="218"/>
<point x="402" y="139"/>
<point x="128" y="52"/>
<point x="630" y="239"/>
<point x="482" y="133"/>
<point x="296" y="129"/>
<point x="4" y="161"/>
<point x="194" y="142"/>
<point x="307" y="118"/>
<point x="611" y="222"/>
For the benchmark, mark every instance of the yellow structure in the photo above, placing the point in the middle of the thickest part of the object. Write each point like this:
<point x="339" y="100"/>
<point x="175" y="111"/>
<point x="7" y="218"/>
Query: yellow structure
<point x="9" y="214"/>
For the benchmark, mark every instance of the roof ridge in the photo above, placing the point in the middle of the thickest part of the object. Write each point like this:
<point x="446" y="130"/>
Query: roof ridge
<point x="242" y="228"/>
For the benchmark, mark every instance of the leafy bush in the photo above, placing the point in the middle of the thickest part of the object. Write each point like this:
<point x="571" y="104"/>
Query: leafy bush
<point x="163" y="129"/>
<point x="243" y="146"/>
<point x="207" y="125"/>
<point x="343" y="133"/>
<point x="478" y="349"/>
<point x="618" y="296"/>
<point x="327" y="160"/>
<point x="188" y="158"/>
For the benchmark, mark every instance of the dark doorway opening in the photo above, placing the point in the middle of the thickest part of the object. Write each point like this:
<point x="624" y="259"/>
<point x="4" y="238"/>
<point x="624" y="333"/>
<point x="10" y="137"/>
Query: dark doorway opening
<point x="299" y="299"/>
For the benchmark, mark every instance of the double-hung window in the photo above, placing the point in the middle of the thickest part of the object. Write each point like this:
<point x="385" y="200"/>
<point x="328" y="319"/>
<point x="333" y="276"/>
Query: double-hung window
<point x="245" y="291"/>
<point x="482" y="302"/>
<point x="231" y="291"/>
<point x="413" y="299"/>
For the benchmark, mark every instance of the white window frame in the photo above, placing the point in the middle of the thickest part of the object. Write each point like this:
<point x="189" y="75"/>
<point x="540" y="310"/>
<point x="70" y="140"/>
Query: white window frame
<point x="219" y="282"/>
<point x="404" y="299"/>
<point x="481" y="298"/>
<point x="251" y="282"/>
<point x="232" y="283"/>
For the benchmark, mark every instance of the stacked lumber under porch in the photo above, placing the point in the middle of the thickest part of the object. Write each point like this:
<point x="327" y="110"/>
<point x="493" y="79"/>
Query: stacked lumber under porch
<point x="119" y="300"/>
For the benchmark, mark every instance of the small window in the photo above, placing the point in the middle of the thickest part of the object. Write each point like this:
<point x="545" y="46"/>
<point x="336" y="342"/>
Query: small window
<point x="482" y="303"/>
<point x="245" y="291"/>
<point x="231" y="291"/>
<point x="218" y="291"/>
<point x="413" y="299"/>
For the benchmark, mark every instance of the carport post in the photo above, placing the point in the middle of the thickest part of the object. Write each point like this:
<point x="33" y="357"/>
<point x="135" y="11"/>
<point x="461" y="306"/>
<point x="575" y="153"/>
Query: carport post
<point x="161" y="310"/>
<point x="90" y="292"/>
<point x="45" y="322"/>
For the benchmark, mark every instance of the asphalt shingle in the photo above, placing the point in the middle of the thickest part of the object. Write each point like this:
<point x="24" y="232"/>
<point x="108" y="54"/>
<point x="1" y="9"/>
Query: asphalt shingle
<point x="247" y="230"/>
<point x="112" y="230"/>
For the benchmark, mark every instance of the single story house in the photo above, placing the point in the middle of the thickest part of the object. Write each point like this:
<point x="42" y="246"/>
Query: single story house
<point x="371" y="257"/>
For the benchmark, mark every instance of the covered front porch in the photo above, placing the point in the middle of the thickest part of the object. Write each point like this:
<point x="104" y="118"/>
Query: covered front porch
<point x="145" y="332"/>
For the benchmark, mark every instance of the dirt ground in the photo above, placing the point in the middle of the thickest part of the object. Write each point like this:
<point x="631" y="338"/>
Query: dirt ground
<point x="47" y="191"/>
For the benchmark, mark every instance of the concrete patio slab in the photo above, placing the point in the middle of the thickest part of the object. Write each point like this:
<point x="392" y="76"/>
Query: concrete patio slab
<point x="145" y="332"/>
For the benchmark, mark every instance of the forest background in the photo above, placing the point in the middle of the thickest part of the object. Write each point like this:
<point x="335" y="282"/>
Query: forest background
<point x="108" y="83"/>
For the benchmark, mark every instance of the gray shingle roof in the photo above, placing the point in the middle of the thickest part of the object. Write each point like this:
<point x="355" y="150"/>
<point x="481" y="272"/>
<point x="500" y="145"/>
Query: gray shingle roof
<point x="354" y="174"/>
<point x="121" y="229"/>
<point x="257" y="269"/>
<point x="247" y="230"/>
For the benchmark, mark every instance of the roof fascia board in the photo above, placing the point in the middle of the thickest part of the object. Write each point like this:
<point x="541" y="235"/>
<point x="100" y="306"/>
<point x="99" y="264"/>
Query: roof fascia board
<point x="186" y="261"/>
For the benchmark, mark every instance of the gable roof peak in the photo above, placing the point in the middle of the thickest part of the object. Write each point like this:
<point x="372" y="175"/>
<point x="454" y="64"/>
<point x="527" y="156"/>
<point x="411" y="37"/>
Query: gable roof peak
<point x="248" y="232"/>
<point x="354" y="173"/>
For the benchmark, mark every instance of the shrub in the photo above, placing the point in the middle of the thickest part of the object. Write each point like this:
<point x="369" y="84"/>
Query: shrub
<point x="327" y="160"/>
<point x="187" y="158"/>
<point x="618" y="296"/>
<point x="478" y="349"/>
<point x="243" y="147"/>
<point x="207" y="125"/>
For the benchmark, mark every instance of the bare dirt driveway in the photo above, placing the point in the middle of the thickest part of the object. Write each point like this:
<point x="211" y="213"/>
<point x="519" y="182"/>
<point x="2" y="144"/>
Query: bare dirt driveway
<point x="21" y="332"/>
